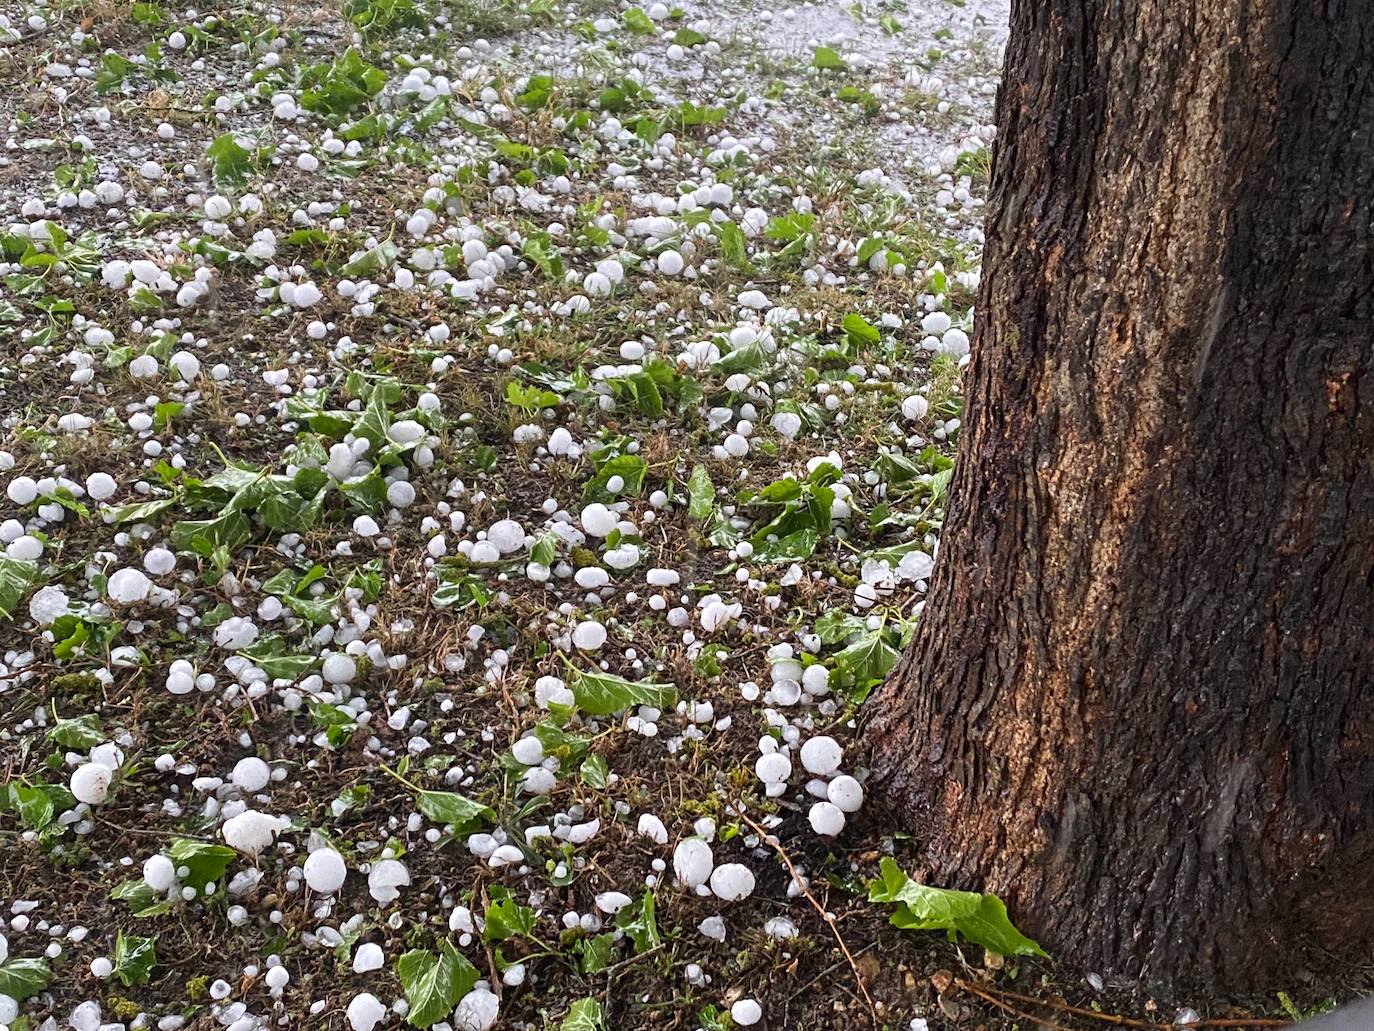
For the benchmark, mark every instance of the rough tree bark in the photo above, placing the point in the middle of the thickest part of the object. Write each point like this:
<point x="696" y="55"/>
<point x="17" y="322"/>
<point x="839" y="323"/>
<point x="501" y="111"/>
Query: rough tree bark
<point x="1140" y="702"/>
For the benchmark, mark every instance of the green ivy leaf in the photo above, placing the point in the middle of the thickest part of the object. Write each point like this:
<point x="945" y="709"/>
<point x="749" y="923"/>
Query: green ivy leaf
<point x="982" y="919"/>
<point x="448" y="807"/>
<point x="639" y="924"/>
<point x="22" y="979"/>
<point x="585" y="1015"/>
<point x="80" y="732"/>
<point x="601" y="694"/>
<point x="16" y="577"/>
<point x="506" y="918"/>
<point x="205" y="861"/>
<point x="701" y="493"/>
<point x="434" y="983"/>
<point x="134" y="958"/>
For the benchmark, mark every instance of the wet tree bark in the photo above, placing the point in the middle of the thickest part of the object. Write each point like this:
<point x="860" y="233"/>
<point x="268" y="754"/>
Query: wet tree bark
<point x="1140" y="702"/>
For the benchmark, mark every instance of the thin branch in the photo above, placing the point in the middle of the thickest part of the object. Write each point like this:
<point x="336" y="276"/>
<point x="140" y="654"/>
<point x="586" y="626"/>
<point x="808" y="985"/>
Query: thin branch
<point x="829" y="920"/>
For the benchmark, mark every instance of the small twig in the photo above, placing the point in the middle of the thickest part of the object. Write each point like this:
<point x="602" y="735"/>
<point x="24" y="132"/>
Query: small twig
<point x="1117" y="1019"/>
<point x="633" y="959"/>
<point x="1009" y="1008"/>
<point x="829" y="920"/>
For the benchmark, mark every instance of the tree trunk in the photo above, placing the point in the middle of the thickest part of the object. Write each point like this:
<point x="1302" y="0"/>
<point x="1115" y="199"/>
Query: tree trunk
<point x="1139" y="703"/>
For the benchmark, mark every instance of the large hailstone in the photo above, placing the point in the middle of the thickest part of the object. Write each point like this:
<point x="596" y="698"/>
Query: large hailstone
<point x="159" y="872"/>
<point x="250" y="832"/>
<point x="477" y="1010"/>
<point x="325" y="871"/>
<point x="386" y="879"/>
<point x="128" y="586"/>
<point x="91" y="783"/>
<point x="826" y="819"/>
<point x="773" y="768"/>
<point x="821" y="755"/>
<point x="589" y="635"/>
<point x="251" y="774"/>
<point x="235" y="633"/>
<point x="692" y="862"/>
<point x="339" y="668"/>
<point x="365" y="1012"/>
<point x="48" y="605"/>
<point x="746" y="1013"/>
<point x="846" y="794"/>
<point x="732" y="882"/>
<point x="507" y="535"/>
<point x="598" y="520"/>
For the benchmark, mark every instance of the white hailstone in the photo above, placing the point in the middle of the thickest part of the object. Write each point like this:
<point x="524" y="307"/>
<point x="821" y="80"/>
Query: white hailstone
<point x="400" y="494"/>
<point x="596" y="284"/>
<point x="477" y="1010"/>
<point x="528" y="751"/>
<point x="746" y="1013"/>
<point x="101" y="967"/>
<point x="325" y="871"/>
<point x="22" y="490"/>
<point x="369" y="957"/>
<point x="251" y="831"/>
<point x="816" y="680"/>
<point x="48" y="606"/>
<point x="755" y="299"/>
<point x="91" y="783"/>
<point x="935" y="323"/>
<point x="552" y="691"/>
<point x="306" y="295"/>
<point x="235" y="633"/>
<point x="181" y="677"/>
<point x="780" y="927"/>
<point x="693" y="862"/>
<point x="251" y="774"/>
<point x="386" y="879"/>
<point x="365" y="1012"/>
<point x="598" y="520"/>
<point x="821" y="755"/>
<point x="339" y="668"/>
<point x="25" y="549"/>
<point x="159" y="872"/>
<point x="773" y="768"/>
<point x="846" y="793"/>
<point x="826" y="819"/>
<point x="405" y="431"/>
<point x="651" y="827"/>
<point x="159" y="561"/>
<point x="366" y="526"/>
<point x="508" y="536"/>
<point x="915" y="407"/>
<point x="128" y="586"/>
<point x="143" y="367"/>
<point x="736" y="446"/>
<point x="538" y="781"/>
<point x="4" y="948"/>
<point x="218" y="207"/>
<point x="277" y="978"/>
<point x="9" y="1010"/>
<point x="185" y="365"/>
<point x="732" y="882"/>
<point x="670" y="263"/>
<point x="590" y="578"/>
<point x="589" y="635"/>
<point x="612" y="902"/>
<point x="712" y="927"/>
<point x="485" y="553"/>
<point x="101" y="486"/>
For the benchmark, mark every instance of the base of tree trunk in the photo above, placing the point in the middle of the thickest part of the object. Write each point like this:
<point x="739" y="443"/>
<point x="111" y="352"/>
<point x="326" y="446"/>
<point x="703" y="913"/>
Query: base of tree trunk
<point x="1140" y="703"/>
